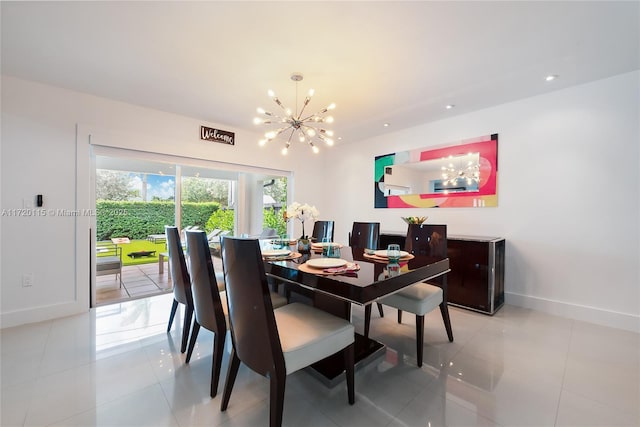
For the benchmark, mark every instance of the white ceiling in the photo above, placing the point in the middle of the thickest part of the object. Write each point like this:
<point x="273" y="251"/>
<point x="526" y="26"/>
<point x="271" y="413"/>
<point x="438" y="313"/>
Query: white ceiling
<point x="380" y="62"/>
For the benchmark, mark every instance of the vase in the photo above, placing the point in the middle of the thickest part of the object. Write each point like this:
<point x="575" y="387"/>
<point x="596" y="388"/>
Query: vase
<point x="304" y="246"/>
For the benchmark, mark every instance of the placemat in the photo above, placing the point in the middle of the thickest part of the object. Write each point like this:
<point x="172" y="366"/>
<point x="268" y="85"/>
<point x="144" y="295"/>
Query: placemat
<point x="377" y="258"/>
<point x="292" y="255"/>
<point x="318" y="249"/>
<point x="349" y="268"/>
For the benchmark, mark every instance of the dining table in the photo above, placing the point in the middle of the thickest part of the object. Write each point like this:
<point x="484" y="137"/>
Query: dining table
<point x="366" y="281"/>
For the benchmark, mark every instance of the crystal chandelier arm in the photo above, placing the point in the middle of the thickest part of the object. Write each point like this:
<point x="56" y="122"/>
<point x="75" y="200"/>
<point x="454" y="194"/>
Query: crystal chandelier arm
<point x="311" y="118"/>
<point x="293" y="130"/>
<point x="304" y="105"/>
<point x="277" y="101"/>
<point x="274" y="134"/>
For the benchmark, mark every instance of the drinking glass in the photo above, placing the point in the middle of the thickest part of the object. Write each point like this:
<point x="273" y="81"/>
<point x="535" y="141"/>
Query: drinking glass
<point x="326" y="244"/>
<point x="393" y="253"/>
<point x="333" y="250"/>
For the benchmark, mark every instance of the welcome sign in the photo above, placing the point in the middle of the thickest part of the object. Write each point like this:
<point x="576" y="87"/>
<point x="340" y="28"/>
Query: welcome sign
<point x="217" y="135"/>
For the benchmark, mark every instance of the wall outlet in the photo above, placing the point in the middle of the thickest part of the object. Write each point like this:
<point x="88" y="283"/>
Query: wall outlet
<point x="27" y="280"/>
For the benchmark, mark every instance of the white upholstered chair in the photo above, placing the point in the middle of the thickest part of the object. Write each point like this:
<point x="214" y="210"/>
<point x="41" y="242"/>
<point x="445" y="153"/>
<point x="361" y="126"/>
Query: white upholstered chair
<point x="421" y="298"/>
<point x="275" y="343"/>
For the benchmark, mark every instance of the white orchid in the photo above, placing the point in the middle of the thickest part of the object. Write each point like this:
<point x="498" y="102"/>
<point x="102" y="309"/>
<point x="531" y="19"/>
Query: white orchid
<point x="303" y="213"/>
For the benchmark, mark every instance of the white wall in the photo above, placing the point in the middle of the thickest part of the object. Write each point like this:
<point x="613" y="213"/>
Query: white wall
<point x="38" y="155"/>
<point x="572" y="235"/>
<point x="569" y="193"/>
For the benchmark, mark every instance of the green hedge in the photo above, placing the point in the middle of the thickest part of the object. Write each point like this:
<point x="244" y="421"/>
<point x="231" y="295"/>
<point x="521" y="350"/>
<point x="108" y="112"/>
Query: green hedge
<point x="136" y="220"/>
<point x="273" y="219"/>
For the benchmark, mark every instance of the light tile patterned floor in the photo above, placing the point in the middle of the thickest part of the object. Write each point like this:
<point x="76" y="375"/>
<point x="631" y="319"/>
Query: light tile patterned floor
<point x="117" y="366"/>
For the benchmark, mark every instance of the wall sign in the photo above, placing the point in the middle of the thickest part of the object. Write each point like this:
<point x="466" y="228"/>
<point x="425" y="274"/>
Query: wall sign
<point x="217" y="135"/>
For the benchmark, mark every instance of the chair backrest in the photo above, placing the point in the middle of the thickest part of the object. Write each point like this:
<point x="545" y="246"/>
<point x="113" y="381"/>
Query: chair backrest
<point x="206" y="298"/>
<point x="322" y="229"/>
<point x="179" y="274"/>
<point x="365" y="235"/>
<point x="426" y="239"/>
<point x="213" y="233"/>
<point x="268" y="232"/>
<point x="253" y="325"/>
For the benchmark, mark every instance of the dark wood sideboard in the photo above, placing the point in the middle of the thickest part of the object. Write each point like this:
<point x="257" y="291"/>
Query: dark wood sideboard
<point x="476" y="280"/>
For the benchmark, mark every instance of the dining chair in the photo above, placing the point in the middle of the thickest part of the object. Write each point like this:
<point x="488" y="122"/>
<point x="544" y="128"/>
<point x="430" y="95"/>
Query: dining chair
<point x="181" y="283"/>
<point x="268" y="233"/>
<point x="208" y="302"/>
<point x="423" y="297"/>
<point x="366" y="235"/>
<point x="275" y="343"/>
<point x="322" y="230"/>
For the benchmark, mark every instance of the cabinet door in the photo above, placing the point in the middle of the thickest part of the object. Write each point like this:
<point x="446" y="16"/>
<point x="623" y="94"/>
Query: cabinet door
<point x="469" y="277"/>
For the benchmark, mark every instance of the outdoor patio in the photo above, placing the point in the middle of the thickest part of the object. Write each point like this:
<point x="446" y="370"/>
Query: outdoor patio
<point x="138" y="281"/>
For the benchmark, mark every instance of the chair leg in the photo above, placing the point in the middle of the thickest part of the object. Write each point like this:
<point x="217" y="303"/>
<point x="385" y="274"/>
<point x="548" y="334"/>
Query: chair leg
<point x="192" y="341"/>
<point x="174" y="308"/>
<point x="399" y="316"/>
<point x="232" y="372"/>
<point x="367" y="319"/>
<point x="420" y="337"/>
<point x="349" y="361"/>
<point x="186" y="327"/>
<point x="380" y="310"/>
<point x="276" y="398"/>
<point x="218" y="349"/>
<point x="444" y="310"/>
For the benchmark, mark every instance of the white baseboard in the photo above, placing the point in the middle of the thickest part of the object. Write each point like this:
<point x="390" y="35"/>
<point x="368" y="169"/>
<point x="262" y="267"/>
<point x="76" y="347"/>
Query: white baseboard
<point x="41" y="314"/>
<point x="613" y="319"/>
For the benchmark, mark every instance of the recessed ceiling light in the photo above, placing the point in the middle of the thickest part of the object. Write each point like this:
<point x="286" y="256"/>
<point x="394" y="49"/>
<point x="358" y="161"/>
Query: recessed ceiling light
<point x="449" y="106"/>
<point x="386" y="125"/>
<point x="551" y="77"/>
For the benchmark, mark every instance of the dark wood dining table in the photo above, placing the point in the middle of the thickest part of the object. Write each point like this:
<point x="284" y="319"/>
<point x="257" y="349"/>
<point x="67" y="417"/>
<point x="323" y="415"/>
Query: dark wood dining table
<point x="337" y="293"/>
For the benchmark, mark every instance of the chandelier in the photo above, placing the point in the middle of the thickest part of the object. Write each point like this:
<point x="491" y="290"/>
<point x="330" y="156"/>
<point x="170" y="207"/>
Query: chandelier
<point x="461" y="172"/>
<point x="306" y="128"/>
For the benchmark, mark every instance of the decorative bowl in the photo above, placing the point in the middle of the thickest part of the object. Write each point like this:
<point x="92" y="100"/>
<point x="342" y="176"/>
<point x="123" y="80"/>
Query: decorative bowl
<point x="414" y="219"/>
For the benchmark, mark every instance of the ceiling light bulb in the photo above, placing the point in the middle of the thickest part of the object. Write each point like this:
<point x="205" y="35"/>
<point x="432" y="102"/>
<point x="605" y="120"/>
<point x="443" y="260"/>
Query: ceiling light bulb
<point x="270" y="135"/>
<point x="386" y="125"/>
<point x="271" y="93"/>
<point x="288" y="112"/>
<point x="260" y="110"/>
<point x="301" y="137"/>
<point x="284" y="151"/>
<point x="449" y="106"/>
<point x="551" y="77"/>
<point x="329" y="141"/>
<point x="257" y="121"/>
<point x="262" y="142"/>
<point x="315" y="149"/>
<point x="311" y="92"/>
<point x="331" y="106"/>
<point x="328" y="119"/>
<point x="311" y="132"/>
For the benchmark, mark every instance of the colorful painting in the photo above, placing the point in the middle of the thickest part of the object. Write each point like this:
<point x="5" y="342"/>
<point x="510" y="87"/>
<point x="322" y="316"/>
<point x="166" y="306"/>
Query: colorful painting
<point x="457" y="175"/>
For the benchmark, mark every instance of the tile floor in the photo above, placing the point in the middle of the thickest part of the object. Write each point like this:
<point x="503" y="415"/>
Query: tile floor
<point x="117" y="366"/>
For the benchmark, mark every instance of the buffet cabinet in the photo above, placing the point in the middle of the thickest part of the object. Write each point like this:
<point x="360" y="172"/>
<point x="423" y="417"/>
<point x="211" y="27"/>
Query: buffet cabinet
<point x="476" y="279"/>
